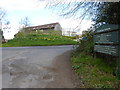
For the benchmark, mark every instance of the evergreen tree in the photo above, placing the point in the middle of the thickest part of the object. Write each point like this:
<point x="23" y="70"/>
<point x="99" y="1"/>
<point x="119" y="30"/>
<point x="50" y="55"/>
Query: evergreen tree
<point x="108" y="12"/>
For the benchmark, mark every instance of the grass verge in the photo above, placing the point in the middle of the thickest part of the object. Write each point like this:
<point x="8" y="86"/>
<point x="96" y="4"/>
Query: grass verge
<point x="38" y="40"/>
<point x="94" y="72"/>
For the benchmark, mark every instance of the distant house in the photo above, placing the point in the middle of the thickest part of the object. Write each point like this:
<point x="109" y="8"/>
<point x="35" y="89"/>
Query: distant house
<point x="44" y="28"/>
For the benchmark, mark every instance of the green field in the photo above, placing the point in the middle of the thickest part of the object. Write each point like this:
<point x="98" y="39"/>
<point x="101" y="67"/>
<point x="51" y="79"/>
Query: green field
<point x="38" y="40"/>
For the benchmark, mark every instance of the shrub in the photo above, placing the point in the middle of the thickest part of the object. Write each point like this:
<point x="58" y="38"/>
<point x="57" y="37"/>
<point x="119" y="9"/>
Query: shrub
<point x="86" y="46"/>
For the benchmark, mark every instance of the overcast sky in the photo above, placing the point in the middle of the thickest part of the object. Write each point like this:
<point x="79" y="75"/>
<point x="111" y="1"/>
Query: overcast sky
<point x="37" y="13"/>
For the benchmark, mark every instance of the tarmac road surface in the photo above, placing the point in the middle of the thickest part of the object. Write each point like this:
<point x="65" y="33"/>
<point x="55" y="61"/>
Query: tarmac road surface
<point x="37" y="67"/>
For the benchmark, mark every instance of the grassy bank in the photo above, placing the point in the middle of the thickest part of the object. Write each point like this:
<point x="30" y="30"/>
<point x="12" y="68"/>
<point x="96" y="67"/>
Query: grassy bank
<point x="38" y="40"/>
<point x="94" y="72"/>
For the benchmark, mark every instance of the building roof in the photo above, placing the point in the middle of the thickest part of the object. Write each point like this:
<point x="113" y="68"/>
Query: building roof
<point x="51" y="25"/>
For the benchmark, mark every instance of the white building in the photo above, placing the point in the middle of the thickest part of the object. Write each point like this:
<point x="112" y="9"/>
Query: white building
<point x="69" y="32"/>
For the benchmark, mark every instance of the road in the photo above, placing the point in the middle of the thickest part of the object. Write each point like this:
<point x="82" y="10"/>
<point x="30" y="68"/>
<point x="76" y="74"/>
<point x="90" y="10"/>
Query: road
<point x="37" y="67"/>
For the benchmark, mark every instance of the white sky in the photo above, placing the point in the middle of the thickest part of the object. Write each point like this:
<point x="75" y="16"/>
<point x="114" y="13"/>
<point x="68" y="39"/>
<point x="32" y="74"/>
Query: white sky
<point x="38" y="15"/>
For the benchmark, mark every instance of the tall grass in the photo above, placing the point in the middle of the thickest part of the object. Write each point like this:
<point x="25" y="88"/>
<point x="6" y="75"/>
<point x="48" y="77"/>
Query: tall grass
<point x="94" y="72"/>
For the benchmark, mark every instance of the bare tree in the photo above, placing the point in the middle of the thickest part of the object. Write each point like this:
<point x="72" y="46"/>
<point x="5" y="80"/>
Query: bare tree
<point x="6" y="27"/>
<point x="76" y="9"/>
<point x="2" y="15"/>
<point x="25" y="22"/>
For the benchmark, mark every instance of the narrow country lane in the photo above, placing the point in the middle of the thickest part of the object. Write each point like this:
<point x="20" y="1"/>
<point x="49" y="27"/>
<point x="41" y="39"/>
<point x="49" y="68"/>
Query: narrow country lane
<point x="37" y="67"/>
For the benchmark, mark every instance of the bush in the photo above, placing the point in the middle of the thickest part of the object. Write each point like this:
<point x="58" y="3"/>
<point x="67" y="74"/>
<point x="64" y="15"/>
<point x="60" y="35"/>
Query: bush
<point x="86" y="46"/>
<point x="71" y="37"/>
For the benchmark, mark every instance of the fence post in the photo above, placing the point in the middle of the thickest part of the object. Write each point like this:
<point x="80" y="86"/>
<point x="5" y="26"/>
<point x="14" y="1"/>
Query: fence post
<point x="119" y="57"/>
<point x="118" y="60"/>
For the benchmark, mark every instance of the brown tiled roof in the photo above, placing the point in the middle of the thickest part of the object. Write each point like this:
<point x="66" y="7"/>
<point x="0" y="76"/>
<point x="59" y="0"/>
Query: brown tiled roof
<point x="51" y="25"/>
